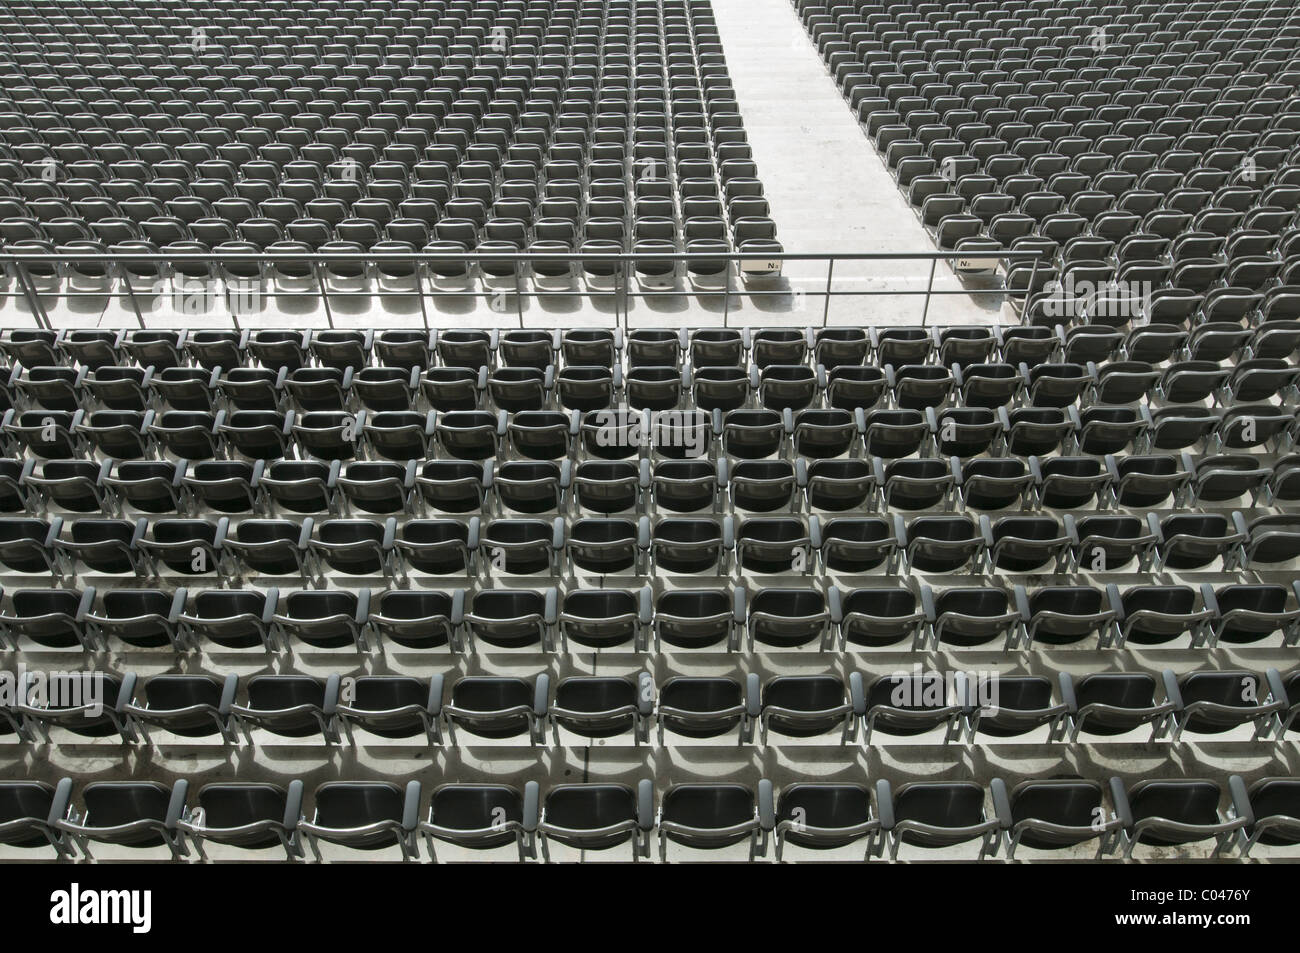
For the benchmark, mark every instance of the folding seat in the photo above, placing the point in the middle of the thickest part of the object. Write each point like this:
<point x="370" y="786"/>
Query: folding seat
<point x="1055" y="814"/>
<point x="192" y="706"/>
<point x="598" y="817"/>
<point x="58" y="388"/>
<point x="482" y="816"/>
<point x="159" y="349"/>
<point x="87" y="704"/>
<point x="319" y="388"/>
<point x="128" y="814"/>
<point x="1176" y="428"/>
<point x="712" y="816"/>
<point x="52" y="434"/>
<point x="1247" y="427"/>
<point x="1246" y="614"/>
<point x="194" y="434"/>
<point x="186" y="546"/>
<point x="1282" y="481"/>
<point x="1006" y="706"/>
<point x="1156" y="614"/>
<point x="32" y="347"/>
<point x="1268" y="807"/>
<point x="1216" y="341"/>
<point x="1271" y="540"/>
<point x="602" y="707"/>
<point x="252" y="388"/>
<point x="325" y="434"/>
<point x="90" y="347"/>
<point x="936" y="543"/>
<point x="248" y="815"/>
<point x="181" y="388"/>
<point x="53" y="618"/>
<point x="1259" y="379"/>
<point x="1191" y="381"/>
<point x="29" y="811"/>
<point x="364" y="815"/>
<point x="835" y="347"/>
<point x="492" y="707"/>
<point x="1122" y="382"/>
<point x="1172" y="813"/>
<point x="272" y="546"/>
<point x="850" y="387"/>
<point x="1223" y="477"/>
<point x="937" y="814"/>
<point x="1024" y="543"/>
<point x="1054" y="385"/>
<point x="145" y="618"/>
<point x="292" y="706"/>
<point x="394" y="707"/>
<point x="1095" y="343"/>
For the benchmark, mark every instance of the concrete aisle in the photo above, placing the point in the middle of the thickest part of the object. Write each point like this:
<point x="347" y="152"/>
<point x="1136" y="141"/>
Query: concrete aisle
<point x="829" y="190"/>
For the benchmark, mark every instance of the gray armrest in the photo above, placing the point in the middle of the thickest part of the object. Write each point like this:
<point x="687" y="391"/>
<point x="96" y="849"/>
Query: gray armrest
<point x="885" y="804"/>
<point x="293" y="805"/>
<point x="766" y="805"/>
<point x="1001" y="803"/>
<point x="363" y="605"/>
<point x="458" y="607"/>
<point x="304" y="537"/>
<point x="532" y="805"/>
<point x="176" y="806"/>
<point x="542" y="695"/>
<point x="1241" y="799"/>
<point x="739" y="612"/>
<point x="434" y="706"/>
<point x="390" y="534"/>
<point x="645" y="605"/>
<point x="59" y="805"/>
<point x="927" y="604"/>
<point x="1172" y="691"/>
<point x="835" y="604"/>
<point x="126" y="694"/>
<point x="1276" y="687"/>
<point x="1120" y="797"/>
<point x="645" y="804"/>
<point x="270" y="606"/>
<point x="228" y="689"/>
<point x="1021" y="598"/>
<point x="332" y="685"/>
<point x="753" y="695"/>
<point x="557" y="533"/>
<point x="645" y="694"/>
<point x="179" y="598"/>
<point x="87" y="602"/>
<point x="411" y="806"/>
<point x="1068" y="697"/>
<point x="550" y="610"/>
<point x="857" y="694"/>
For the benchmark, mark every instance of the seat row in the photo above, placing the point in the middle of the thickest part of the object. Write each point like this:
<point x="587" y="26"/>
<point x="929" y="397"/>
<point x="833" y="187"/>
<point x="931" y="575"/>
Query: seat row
<point x="1041" y="815"/>
<point x="107" y="393"/>
<point x="69" y="441"/>
<point x="698" y="618"/>
<point x="901" y="705"/>
<point x="294" y="487"/>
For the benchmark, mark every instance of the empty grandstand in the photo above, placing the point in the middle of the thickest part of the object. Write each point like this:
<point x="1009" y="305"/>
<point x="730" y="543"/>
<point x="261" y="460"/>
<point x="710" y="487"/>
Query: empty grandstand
<point x="418" y="444"/>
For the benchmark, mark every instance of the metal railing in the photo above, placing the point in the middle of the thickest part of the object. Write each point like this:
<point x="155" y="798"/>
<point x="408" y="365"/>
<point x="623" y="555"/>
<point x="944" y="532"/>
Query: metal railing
<point x="243" y="277"/>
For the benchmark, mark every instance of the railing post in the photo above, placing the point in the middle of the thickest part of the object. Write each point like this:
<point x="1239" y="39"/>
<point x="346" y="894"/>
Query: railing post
<point x="419" y="292"/>
<point x="130" y="293"/>
<point x="929" y="289"/>
<point x="826" y="298"/>
<point x="519" y="294"/>
<point x="318" y="269"/>
<point x="33" y="299"/>
<point x="726" y="292"/>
